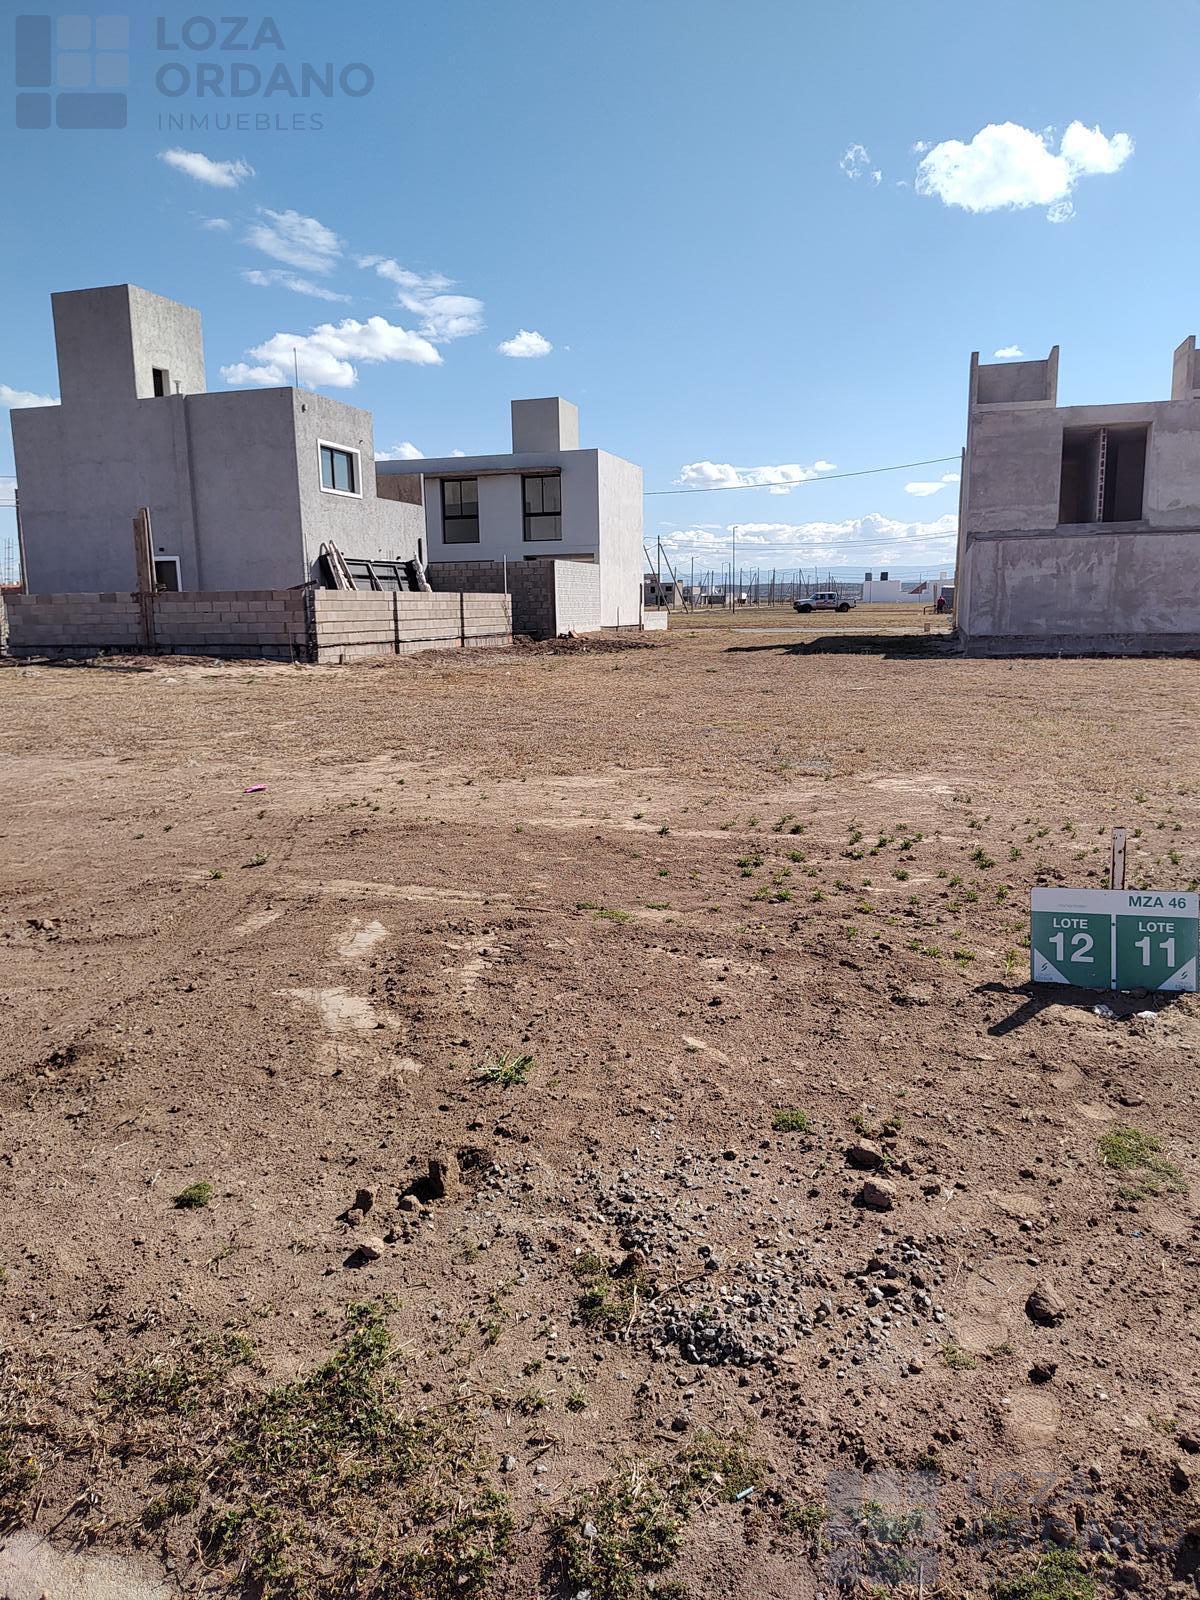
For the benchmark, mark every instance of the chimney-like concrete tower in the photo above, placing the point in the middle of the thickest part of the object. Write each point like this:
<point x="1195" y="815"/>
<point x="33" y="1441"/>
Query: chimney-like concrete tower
<point x="550" y="424"/>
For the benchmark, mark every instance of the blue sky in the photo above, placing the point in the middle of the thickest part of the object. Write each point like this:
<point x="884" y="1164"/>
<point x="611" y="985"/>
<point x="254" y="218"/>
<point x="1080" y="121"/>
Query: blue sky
<point x="758" y="240"/>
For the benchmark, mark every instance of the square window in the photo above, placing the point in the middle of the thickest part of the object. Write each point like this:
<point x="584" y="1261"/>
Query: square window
<point x="112" y="71"/>
<point x="74" y="33"/>
<point x="339" y="469"/>
<point x="73" y="70"/>
<point x="112" y="33"/>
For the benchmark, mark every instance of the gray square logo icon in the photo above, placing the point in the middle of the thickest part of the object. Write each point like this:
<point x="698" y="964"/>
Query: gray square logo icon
<point x="71" y="71"/>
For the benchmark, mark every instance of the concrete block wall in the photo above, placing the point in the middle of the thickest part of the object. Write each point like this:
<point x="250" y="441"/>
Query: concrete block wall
<point x="73" y="624"/>
<point x="548" y="597"/>
<point x="576" y="596"/>
<point x="257" y="622"/>
<point x="245" y="622"/>
<point x="278" y="624"/>
<point x="349" y="626"/>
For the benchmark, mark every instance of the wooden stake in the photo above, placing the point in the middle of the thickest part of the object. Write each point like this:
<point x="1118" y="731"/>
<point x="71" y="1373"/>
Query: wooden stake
<point x="1116" y="877"/>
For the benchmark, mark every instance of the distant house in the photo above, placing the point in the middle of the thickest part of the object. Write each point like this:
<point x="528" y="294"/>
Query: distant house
<point x="547" y="500"/>
<point x="1079" y="526"/>
<point x="244" y="487"/>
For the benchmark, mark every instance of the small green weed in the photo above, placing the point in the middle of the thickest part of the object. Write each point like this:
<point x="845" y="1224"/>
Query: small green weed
<point x="1135" y="1152"/>
<point x="615" y="1537"/>
<point x="1058" y="1575"/>
<point x="957" y="1359"/>
<point x="790" y="1120"/>
<point x="507" y="1071"/>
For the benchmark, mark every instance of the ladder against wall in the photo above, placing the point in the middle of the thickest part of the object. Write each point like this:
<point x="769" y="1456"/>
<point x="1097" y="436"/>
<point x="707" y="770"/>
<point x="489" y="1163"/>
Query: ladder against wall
<point x="386" y="577"/>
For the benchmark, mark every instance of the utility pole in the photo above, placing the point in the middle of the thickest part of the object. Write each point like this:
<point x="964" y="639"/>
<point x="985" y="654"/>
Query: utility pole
<point x="733" y="566"/>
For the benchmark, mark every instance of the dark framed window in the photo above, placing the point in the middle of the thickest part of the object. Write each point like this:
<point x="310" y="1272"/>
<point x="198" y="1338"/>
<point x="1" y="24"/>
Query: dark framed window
<point x="162" y="382"/>
<point x="460" y="510"/>
<point x="166" y="574"/>
<point x="339" y="470"/>
<point x="543" y="506"/>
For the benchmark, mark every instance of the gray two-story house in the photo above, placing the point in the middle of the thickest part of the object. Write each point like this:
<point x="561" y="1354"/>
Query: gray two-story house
<point x="547" y="500"/>
<point x="244" y="487"/>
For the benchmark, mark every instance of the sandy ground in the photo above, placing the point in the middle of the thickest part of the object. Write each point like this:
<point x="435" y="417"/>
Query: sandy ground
<point x="698" y="883"/>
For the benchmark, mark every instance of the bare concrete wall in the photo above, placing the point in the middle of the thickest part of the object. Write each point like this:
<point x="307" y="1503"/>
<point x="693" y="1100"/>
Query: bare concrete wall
<point x="1122" y="593"/>
<point x="622" y="558"/>
<point x="367" y="527"/>
<point x="232" y="481"/>
<point x="1027" y="582"/>
<point x="110" y="340"/>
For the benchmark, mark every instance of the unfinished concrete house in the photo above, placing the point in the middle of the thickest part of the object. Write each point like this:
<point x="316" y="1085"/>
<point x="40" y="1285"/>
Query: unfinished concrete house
<point x="267" y="533"/>
<point x="561" y="527"/>
<point x="1079" y="526"/>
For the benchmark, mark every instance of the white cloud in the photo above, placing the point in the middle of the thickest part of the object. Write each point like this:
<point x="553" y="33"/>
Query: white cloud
<point x="1008" y="352"/>
<point x="219" y="174"/>
<point x="872" y="539"/>
<point x="21" y="399"/>
<point x="279" y="276"/>
<point x="404" y="451"/>
<point x="526" y="344"/>
<point x="217" y="224"/>
<point x="1087" y="150"/>
<point x="721" y="475"/>
<point x="443" y="316"/>
<point x="927" y="488"/>
<point x="1006" y="166"/>
<point x="856" y="163"/>
<point x="458" y="452"/>
<point x="296" y="240"/>
<point x="326" y="357"/>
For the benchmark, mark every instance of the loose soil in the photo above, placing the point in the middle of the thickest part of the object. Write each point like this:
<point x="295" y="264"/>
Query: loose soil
<point x="699" y="884"/>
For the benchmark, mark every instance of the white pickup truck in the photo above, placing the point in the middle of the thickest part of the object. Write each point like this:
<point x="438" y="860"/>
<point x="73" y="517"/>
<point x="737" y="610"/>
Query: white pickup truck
<point x="825" y="600"/>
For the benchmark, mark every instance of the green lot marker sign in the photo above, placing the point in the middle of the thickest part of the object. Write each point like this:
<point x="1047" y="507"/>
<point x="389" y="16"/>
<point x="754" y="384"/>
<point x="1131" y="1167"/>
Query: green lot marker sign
<point x="1114" y="938"/>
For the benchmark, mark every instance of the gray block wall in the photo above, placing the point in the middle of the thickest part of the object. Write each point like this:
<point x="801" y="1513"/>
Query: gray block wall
<point x="320" y="625"/>
<point x="549" y="598"/>
<point x="268" y="622"/>
<point x="348" y="627"/>
<point x="576" y="596"/>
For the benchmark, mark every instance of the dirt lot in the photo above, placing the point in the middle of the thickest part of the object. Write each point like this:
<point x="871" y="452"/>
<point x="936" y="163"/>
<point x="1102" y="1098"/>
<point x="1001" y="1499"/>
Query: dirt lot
<point x="626" y="1318"/>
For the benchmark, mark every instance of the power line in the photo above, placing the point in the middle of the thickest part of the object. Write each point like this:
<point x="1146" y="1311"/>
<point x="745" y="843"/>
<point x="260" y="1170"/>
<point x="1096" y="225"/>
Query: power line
<point x="798" y="483"/>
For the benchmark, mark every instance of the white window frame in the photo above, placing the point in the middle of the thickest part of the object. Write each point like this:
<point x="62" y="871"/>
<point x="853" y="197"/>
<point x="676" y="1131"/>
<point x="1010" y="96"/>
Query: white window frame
<point x="346" y="450"/>
<point x="162" y="560"/>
